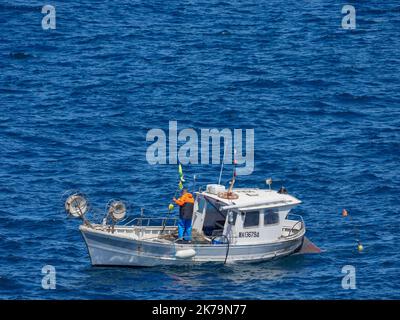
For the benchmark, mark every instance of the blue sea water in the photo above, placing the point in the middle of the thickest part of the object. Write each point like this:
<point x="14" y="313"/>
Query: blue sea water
<point x="76" y="104"/>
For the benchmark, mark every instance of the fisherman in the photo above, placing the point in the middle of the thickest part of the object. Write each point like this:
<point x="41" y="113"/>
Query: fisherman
<point x="185" y="203"/>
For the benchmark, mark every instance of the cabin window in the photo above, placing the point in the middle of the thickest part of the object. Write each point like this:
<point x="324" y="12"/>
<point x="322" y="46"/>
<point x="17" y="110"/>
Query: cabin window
<point x="212" y="209"/>
<point x="271" y="217"/>
<point x="252" y="219"/>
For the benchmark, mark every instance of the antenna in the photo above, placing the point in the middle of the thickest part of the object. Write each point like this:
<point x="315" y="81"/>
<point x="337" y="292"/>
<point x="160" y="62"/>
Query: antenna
<point x="222" y="165"/>
<point x="229" y="194"/>
<point x="194" y="182"/>
<point x="233" y="173"/>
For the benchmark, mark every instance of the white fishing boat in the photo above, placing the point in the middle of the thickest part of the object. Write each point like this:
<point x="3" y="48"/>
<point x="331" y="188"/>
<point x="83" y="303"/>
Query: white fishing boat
<point x="229" y="225"/>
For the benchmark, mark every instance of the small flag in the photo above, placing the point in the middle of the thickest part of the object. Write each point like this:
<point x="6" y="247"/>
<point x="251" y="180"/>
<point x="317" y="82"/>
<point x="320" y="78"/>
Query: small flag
<point x="345" y="213"/>
<point x="180" y="173"/>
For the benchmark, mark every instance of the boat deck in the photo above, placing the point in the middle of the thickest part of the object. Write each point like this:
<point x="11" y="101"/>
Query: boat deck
<point x="196" y="237"/>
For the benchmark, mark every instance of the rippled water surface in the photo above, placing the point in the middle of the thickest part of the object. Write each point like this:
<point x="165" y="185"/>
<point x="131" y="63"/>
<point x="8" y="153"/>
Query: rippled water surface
<point x="76" y="104"/>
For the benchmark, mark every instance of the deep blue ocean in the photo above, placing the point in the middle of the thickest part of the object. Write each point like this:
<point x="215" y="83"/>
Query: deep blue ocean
<point x="77" y="102"/>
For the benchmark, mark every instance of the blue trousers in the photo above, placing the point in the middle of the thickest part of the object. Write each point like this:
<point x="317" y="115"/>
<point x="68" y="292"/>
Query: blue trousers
<point x="185" y="229"/>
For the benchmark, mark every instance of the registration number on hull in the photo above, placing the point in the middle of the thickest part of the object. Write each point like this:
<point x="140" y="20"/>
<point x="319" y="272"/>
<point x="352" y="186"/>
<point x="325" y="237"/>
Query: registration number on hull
<point x="249" y="234"/>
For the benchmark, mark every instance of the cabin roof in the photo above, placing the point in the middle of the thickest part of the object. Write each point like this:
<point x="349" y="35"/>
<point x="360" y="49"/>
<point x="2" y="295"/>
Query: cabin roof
<point x="254" y="198"/>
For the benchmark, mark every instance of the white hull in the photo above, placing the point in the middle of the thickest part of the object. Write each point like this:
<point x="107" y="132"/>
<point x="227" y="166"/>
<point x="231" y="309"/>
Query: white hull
<point x="116" y="249"/>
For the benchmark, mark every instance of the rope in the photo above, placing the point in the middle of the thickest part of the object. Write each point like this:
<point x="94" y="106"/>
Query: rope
<point x="227" y="248"/>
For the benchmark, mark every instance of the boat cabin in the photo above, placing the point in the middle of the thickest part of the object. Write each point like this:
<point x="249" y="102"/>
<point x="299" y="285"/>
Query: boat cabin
<point x="247" y="215"/>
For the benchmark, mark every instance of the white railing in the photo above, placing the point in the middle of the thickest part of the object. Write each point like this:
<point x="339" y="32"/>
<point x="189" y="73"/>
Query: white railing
<point x="299" y="222"/>
<point x="152" y="222"/>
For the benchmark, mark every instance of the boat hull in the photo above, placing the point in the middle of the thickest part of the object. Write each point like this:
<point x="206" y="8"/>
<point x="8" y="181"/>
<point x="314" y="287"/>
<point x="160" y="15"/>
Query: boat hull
<point x="106" y="249"/>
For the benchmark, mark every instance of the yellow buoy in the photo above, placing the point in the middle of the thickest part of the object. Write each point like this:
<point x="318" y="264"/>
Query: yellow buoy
<point x="171" y="207"/>
<point x="360" y="247"/>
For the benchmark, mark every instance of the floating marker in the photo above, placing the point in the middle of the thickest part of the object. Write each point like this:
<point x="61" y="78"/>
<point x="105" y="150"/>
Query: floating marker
<point x="171" y="207"/>
<point x="359" y="245"/>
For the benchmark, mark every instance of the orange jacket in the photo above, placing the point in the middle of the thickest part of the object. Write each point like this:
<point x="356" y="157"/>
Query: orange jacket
<point x="186" y="198"/>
